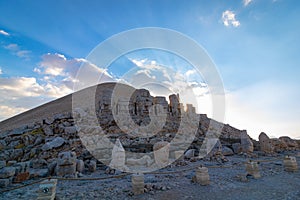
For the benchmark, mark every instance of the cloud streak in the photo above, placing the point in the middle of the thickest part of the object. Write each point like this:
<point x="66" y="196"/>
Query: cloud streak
<point x="246" y="2"/>
<point x="2" y="32"/>
<point x="16" y="50"/>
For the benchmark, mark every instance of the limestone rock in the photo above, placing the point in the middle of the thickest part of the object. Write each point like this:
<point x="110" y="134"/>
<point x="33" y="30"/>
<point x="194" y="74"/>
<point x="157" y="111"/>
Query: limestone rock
<point x="145" y="161"/>
<point x="237" y="148"/>
<point x="80" y="166"/>
<point x="47" y="130"/>
<point x="70" y="130"/>
<point x="291" y="144"/>
<point x="265" y="143"/>
<point x="2" y="164"/>
<point x="226" y="151"/>
<point x="7" y="172"/>
<point x="38" y="173"/>
<point x="246" y="143"/>
<point x="118" y="156"/>
<point x="4" y="182"/>
<point x="66" y="164"/>
<point x="57" y="142"/>
<point x="189" y="153"/>
<point x="161" y="153"/>
<point x="92" y="166"/>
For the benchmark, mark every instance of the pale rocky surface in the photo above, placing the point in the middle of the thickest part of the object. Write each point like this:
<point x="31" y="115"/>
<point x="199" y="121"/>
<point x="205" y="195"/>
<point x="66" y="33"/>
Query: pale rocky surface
<point x="225" y="183"/>
<point x="47" y="139"/>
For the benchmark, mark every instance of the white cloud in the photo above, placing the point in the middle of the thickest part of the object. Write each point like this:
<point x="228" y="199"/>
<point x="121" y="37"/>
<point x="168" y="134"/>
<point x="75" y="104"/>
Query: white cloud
<point x="190" y="72"/>
<point x="16" y="50"/>
<point x="7" y="111"/>
<point x="247" y="2"/>
<point x="2" y="32"/>
<point x="58" y="76"/>
<point x="228" y="19"/>
<point x="20" y="87"/>
<point x="1" y="72"/>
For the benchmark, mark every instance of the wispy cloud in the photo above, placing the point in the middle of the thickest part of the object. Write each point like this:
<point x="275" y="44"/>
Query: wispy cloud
<point x="58" y="73"/>
<point x="2" y="32"/>
<point x="228" y="19"/>
<point x="1" y="72"/>
<point x="16" y="50"/>
<point x="246" y="2"/>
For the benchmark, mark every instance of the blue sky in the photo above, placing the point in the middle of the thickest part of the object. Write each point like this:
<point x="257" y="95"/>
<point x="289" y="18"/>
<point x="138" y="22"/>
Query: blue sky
<point x="254" y="44"/>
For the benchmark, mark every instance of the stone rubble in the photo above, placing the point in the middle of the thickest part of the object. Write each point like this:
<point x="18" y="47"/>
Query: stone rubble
<point x="49" y="144"/>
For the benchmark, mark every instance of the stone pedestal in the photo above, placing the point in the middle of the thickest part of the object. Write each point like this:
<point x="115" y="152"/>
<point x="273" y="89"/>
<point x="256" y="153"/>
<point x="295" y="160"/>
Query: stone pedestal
<point x="252" y="169"/>
<point x="202" y="176"/>
<point x="290" y="164"/>
<point x="137" y="184"/>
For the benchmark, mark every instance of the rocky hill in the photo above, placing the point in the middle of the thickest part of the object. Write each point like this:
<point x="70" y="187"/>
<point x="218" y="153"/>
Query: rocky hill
<point x="36" y="143"/>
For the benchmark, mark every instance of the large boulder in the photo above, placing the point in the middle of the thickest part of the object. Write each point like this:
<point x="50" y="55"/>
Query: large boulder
<point x="246" y="142"/>
<point x="226" y="151"/>
<point x="55" y="143"/>
<point x="291" y="144"/>
<point x="237" y="148"/>
<point x="265" y="143"/>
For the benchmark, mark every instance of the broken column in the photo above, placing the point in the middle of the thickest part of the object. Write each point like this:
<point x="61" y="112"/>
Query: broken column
<point x="202" y="176"/>
<point x="252" y="169"/>
<point x="137" y="183"/>
<point x="290" y="164"/>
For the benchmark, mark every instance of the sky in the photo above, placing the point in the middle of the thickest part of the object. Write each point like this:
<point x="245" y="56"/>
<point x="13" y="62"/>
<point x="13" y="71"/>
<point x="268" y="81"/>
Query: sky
<point x="253" y="43"/>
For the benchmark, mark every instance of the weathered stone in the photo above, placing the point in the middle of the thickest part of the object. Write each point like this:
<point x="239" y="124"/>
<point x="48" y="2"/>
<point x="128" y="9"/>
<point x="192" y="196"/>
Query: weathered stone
<point x="237" y="148"/>
<point x="92" y="166"/>
<point x="7" y="172"/>
<point x="253" y="169"/>
<point x="38" y="140"/>
<point x="16" y="154"/>
<point x="265" y="143"/>
<point x="226" y="151"/>
<point x="202" y="176"/>
<point x="38" y="163"/>
<point x="38" y="173"/>
<point x="4" y="182"/>
<point x="161" y="153"/>
<point x="292" y="144"/>
<point x="20" y="177"/>
<point x="52" y="167"/>
<point x="290" y="164"/>
<point x="137" y="184"/>
<point x="80" y="166"/>
<point x="48" y="130"/>
<point x="11" y="162"/>
<point x="246" y="143"/>
<point x="2" y="164"/>
<point x="70" y="130"/>
<point x="189" y="153"/>
<point x="118" y="156"/>
<point x="55" y="143"/>
<point x="66" y="164"/>
<point x="145" y="161"/>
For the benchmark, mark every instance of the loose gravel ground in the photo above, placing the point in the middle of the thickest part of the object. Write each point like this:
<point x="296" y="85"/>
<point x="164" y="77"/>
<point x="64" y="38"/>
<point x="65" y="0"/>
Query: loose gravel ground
<point x="275" y="183"/>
